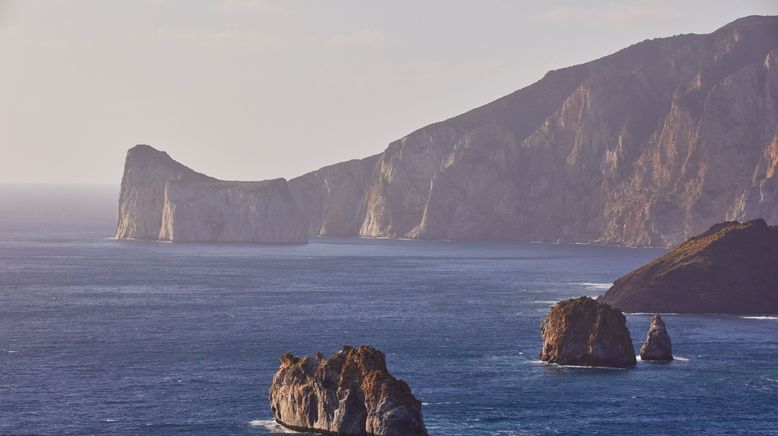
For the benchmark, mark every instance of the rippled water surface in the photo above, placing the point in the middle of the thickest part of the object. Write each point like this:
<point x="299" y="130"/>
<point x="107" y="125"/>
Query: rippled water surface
<point x="102" y="336"/>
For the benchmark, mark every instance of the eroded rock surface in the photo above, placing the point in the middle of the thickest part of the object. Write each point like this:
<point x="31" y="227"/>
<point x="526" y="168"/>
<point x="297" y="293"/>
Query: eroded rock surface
<point x="583" y="332"/>
<point x="163" y="199"/>
<point x="644" y="147"/>
<point x="657" y="345"/>
<point x="731" y="268"/>
<point x="350" y="393"/>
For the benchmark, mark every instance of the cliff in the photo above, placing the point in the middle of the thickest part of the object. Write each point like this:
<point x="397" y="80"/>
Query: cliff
<point x="644" y="147"/>
<point x="162" y="199"/>
<point x="583" y="332"/>
<point x="351" y="393"/>
<point x="731" y="268"/>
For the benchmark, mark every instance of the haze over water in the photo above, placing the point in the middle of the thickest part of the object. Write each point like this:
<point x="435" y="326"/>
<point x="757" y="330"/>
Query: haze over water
<point x="104" y="336"/>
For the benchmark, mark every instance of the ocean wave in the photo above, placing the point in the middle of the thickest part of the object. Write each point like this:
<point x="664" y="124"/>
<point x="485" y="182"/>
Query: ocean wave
<point x="556" y="365"/>
<point x="651" y="313"/>
<point x="681" y="358"/>
<point x="270" y="425"/>
<point x="592" y="286"/>
<point x="760" y="317"/>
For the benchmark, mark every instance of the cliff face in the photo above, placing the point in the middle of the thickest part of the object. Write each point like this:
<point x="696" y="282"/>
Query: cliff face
<point x="333" y="198"/>
<point x="643" y="147"/>
<point x="351" y="393"/>
<point x="162" y="199"/>
<point x="731" y="268"/>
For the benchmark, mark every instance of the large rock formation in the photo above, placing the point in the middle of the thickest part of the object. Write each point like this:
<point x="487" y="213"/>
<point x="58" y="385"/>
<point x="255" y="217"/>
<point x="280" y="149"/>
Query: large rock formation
<point x="731" y="268"/>
<point x="657" y="345"/>
<point x="643" y="147"/>
<point x="583" y="332"/>
<point x="162" y="199"/>
<point x="351" y="393"/>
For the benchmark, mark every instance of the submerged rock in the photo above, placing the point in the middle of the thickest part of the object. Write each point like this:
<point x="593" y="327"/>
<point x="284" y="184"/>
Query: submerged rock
<point x="657" y="345"/>
<point x="581" y="331"/>
<point x="350" y="393"/>
<point x="731" y="268"/>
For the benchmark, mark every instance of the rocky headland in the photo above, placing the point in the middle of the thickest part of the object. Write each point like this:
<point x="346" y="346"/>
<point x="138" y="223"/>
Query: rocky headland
<point x="349" y="393"/>
<point x="644" y="147"/>
<point x="657" y="345"/>
<point x="583" y="332"/>
<point x="731" y="268"/>
<point x="163" y="199"/>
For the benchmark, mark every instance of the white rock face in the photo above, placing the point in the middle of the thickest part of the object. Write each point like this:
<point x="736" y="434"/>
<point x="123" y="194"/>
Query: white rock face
<point x="232" y="212"/>
<point x="162" y="199"/>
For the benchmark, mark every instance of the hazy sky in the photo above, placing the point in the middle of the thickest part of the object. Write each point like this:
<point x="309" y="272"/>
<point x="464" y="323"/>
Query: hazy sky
<point x="256" y="89"/>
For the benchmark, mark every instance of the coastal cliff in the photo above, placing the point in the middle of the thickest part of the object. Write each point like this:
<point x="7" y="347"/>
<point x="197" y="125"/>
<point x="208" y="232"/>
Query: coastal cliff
<point x="161" y="199"/>
<point x="644" y="147"/>
<point x="350" y="393"/>
<point x="731" y="268"/>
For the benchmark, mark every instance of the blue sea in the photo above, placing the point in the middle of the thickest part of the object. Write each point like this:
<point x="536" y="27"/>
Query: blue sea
<point x="99" y="336"/>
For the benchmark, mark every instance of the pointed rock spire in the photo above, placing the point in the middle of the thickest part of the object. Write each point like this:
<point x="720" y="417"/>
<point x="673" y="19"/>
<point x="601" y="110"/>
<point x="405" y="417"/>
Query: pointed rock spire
<point x="657" y="345"/>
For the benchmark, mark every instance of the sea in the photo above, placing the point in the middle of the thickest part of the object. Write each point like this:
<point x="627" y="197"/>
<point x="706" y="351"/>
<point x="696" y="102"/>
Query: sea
<point x="101" y="336"/>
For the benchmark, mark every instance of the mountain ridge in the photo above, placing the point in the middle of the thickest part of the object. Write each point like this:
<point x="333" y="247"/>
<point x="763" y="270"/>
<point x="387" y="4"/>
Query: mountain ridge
<point x="643" y="147"/>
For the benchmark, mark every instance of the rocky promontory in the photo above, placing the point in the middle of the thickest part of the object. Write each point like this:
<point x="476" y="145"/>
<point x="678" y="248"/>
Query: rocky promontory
<point x="657" y="345"/>
<point x="731" y="268"/>
<point x="583" y="332"/>
<point x="643" y="147"/>
<point x="349" y="393"/>
<point x="164" y="200"/>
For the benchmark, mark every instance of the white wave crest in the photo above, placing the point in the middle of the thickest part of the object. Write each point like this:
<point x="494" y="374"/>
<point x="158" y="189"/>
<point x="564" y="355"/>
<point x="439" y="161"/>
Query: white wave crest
<point x="681" y="358"/>
<point x="270" y="425"/>
<point x="591" y="286"/>
<point x="760" y="317"/>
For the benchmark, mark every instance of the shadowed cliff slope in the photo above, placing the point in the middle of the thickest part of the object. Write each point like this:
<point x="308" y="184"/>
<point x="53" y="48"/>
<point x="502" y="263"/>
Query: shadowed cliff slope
<point x="731" y="268"/>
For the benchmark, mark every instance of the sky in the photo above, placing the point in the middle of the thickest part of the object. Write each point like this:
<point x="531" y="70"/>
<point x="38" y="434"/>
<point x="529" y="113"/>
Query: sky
<point x="259" y="89"/>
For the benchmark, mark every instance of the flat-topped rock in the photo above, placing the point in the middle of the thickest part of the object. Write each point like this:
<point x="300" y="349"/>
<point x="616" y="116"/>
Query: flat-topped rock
<point x="731" y="268"/>
<point x="161" y="199"/>
<point x="583" y="332"/>
<point x="349" y="393"/>
<point x="657" y="345"/>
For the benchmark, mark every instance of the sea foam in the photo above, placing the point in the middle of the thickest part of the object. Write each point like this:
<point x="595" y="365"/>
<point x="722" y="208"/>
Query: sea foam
<point x="270" y="425"/>
<point x="760" y="317"/>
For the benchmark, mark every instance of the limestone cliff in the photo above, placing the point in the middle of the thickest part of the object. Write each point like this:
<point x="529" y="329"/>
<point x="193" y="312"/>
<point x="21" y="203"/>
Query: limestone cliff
<point x="646" y="147"/>
<point x="162" y="199"/>
<point x="731" y="268"/>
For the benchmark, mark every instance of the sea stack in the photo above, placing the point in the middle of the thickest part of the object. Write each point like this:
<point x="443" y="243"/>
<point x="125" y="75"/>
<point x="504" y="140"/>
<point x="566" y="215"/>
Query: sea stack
<point x="350" y="393"/>
<point x="657" y="345"/>
<point x="161" y="199"/>
<point x="583" y="332"/>
<point x="731" y="268"/>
